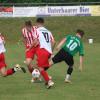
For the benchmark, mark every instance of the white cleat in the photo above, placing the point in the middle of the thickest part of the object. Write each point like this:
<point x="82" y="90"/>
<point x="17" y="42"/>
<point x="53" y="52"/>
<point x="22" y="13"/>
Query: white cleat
<point x="67" y="81"/>
<point x="19" y="68"/>
<point x="50" y="84"/>
<point x="33" y="80"/>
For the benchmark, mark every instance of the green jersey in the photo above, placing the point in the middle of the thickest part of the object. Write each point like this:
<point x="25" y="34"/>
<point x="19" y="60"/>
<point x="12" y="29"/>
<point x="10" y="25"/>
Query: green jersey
<point x="73" y="45"/>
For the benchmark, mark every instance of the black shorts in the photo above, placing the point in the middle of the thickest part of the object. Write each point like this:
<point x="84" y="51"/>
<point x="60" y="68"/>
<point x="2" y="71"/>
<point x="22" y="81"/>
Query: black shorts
<point x="62" y="55"/>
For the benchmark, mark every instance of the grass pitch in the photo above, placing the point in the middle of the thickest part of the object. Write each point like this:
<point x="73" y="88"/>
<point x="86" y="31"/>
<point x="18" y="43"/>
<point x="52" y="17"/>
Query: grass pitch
<point x="86" y="84"/>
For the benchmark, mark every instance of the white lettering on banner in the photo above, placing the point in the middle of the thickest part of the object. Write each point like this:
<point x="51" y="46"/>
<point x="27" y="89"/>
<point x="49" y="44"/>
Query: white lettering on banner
<point x="68" y="10"/>
<point x="84" y="10"/>
<point x="25" y="11"/>
<point x="61" y="10"/>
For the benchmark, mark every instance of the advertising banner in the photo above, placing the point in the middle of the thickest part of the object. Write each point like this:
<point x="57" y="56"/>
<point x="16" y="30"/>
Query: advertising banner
<point x="50" y="11"/>
<point x="95" y="10"/>
<point x="6" y="11"/>
<point x="25" y="11"/>
<point x="64" y="11"/>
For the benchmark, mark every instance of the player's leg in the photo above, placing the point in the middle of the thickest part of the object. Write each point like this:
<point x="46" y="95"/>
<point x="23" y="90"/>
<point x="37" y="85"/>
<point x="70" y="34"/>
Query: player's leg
<point x="59" y="57"/>
<point x="29" y="58"/>
<point x="63" y="56"/>
<point x="69" y="60"/>
<point x="10" y="71"/>
<point x="6" y="72"/>
<point x="48" y="81"/>
<point x="29" y="64"/>
<point x="42" y="59"/>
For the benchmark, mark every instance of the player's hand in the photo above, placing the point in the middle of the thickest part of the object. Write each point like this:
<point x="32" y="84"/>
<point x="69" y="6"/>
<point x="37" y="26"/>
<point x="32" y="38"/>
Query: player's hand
<point x="52" y="55"/>
<point x="57" y="48"/>
<point x="35" y="42"/>
<point x="27" y="49"/>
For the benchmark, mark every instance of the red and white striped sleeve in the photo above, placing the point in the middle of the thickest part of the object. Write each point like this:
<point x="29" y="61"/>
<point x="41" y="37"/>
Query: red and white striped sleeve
<point x="23" y="32"/>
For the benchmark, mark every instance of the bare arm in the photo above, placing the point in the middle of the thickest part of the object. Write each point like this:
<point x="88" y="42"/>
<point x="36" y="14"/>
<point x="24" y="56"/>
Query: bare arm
<point x="2" y="39"/>
<point x="53" y="44"/>
<point x="34" y="44"/>
<point x="81" y="63"/>
<point x="60" y="44"/>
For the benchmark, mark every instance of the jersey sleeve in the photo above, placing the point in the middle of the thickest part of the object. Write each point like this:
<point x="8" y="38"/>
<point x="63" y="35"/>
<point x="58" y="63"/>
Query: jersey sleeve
<point x="51" y="37"/>
<point x="23" y="32"/>
<point x="81" y="49"/>
<point x="0" y="40"/>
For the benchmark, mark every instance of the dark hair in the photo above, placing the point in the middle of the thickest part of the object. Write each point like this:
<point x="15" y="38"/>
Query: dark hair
<point x="28" y="23"/>
<point x="40" y="20"/>
<point x="80" y="32"/>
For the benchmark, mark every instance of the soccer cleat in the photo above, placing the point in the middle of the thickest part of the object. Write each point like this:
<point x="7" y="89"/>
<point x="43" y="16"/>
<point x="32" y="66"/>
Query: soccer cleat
<point x="50" y="84"/>
<point x="19" y="68"/>
<point x="67" y="80"/>
<point x="33" y="80"/>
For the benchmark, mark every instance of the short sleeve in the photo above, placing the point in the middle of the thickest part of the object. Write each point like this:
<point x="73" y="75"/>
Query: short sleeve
<point x="1" y="41"/>
<point x="81" y="49"/>
<point x="51" y="37"/>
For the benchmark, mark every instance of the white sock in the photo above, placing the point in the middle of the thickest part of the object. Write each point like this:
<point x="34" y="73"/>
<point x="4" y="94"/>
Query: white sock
<point x="15" y="69"/>
<point x="68" y="77"/>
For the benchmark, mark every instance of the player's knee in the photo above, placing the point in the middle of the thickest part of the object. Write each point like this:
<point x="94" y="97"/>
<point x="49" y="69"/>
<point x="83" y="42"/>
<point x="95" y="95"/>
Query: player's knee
<point x="41" y="69"/>
<point x="28" y="62"/>
<point x="4" y="74"/>
<point x="51" y="62"/>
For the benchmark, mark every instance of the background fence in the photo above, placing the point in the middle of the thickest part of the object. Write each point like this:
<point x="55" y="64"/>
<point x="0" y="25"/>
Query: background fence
<point x="47" y="3"/>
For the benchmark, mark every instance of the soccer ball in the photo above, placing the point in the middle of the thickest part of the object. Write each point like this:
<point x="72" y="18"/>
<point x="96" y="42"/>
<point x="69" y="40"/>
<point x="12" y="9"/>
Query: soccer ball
<point x="35" y="74"/>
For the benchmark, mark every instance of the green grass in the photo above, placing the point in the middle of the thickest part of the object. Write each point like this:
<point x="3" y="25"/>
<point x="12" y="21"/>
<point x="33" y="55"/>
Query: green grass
<point x="59" y="26"/>
<point x="86" y="84"/>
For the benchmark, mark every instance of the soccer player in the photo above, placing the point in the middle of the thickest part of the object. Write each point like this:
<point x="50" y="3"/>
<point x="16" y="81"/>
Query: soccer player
<point x="3" y="71"/>
<point x="68" y="47"/>
<point x="31" y="42"/>
<point x="44" y="52"/>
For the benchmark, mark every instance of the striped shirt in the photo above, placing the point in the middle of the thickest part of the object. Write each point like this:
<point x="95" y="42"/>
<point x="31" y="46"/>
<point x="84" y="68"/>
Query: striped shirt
<point x="2" y="48"/>
<point x="29" y="36"/>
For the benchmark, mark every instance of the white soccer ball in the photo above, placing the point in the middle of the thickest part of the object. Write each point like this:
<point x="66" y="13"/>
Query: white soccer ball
<point x="35" y="73"/>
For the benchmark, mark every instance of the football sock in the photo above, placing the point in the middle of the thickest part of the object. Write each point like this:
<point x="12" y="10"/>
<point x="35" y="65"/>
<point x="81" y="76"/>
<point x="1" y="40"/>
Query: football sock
<point x="70" y="70"/>
<point x="46" y="68"/>
<point x="68" y="76"/>
<point x="45" y="75"/>
<point x="10" y="72"/>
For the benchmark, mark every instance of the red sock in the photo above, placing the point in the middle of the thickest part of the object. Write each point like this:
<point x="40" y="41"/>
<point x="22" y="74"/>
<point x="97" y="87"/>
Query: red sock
<point x="45" y="75"/>
<point x="30" y="69"/>
<point x="10" y="71"/>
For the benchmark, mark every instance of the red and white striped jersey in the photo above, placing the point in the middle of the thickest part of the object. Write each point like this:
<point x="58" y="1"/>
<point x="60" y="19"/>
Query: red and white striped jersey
<point x="2" y="48"/>
<point x="29" y="36"/>
<point x="45" y="38"/>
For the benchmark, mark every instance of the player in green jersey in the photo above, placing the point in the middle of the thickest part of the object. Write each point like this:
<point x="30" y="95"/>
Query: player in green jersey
<point x="68" y="47"/>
